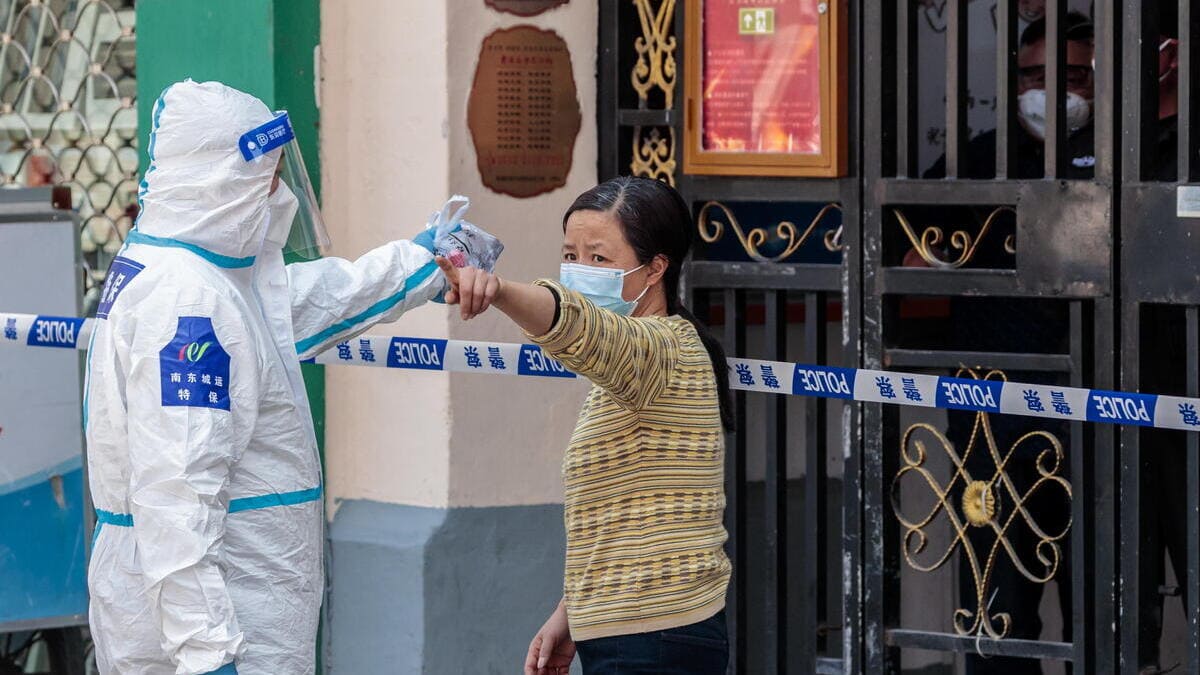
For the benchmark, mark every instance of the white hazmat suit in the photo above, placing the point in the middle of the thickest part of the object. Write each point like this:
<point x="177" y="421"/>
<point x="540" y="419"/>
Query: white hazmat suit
<point x="202" y="458"/>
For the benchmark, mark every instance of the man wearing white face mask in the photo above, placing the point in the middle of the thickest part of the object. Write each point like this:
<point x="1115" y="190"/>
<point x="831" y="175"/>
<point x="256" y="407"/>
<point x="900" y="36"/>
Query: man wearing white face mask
<point x="202" y="458"/>
<point x="1031" y="77"/>
<point x="1031" y="109"/>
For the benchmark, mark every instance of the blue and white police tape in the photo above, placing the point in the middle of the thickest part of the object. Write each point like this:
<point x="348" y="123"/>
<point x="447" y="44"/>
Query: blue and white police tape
<point x="379" y="351"/>
<point x="772" y="377"/>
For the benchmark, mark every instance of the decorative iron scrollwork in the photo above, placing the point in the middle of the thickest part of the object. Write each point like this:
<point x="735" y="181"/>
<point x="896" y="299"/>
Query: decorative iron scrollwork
<point x="653" y="154"/>
<point x="712" y="231"/>
<point x="653" y="151"/>
<point x="655" y="47"/>
<point x="991" y="502"/>
<point x="960" y="240"/>
<point x="833" y="240"/>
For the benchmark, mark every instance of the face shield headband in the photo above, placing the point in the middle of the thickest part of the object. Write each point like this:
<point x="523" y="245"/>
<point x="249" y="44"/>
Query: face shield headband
<point x="296" y="222"/>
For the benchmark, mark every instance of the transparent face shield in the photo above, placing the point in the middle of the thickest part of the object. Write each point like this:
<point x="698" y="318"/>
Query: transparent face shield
<point x="295" y="217"/>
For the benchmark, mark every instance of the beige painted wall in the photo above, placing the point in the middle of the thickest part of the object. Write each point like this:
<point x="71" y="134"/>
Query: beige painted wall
<point x="510" y="450"/>
<point x="384" y="167"/>
<point x="394" y="142"/>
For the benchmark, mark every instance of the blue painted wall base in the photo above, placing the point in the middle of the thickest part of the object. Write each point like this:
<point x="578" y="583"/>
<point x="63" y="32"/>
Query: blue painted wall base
<point x="440" y="591"/>
<point x="43" y="562"/>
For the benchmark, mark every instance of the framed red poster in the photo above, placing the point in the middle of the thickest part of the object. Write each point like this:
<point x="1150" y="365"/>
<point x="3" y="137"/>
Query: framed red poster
<point x="765" y="88"/>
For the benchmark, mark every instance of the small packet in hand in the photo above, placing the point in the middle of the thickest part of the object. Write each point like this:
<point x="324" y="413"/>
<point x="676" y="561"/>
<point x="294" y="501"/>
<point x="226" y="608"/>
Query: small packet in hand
<point x="461" y="242"/>
<point x="470" y="245"/>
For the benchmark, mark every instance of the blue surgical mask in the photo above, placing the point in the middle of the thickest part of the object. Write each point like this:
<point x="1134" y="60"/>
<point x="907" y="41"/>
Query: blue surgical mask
<point x="602" y="286"/>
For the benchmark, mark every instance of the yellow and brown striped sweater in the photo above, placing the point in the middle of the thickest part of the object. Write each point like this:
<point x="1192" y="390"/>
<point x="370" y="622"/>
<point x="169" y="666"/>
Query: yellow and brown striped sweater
<point x="644" y="473"/>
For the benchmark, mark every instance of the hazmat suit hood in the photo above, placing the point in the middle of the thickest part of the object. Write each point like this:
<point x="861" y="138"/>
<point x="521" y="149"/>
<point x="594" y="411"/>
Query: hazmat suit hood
<point x="198" y="189"/>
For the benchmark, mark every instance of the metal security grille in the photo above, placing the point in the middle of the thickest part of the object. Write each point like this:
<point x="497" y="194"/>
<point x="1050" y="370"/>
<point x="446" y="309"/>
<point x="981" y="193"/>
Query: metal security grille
<point x="870" y="540"/>
<point x="68" y="112"/>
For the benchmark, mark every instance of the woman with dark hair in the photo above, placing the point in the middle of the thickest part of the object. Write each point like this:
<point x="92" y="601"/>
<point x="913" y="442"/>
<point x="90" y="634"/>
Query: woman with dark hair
<point x="646" y="572"/>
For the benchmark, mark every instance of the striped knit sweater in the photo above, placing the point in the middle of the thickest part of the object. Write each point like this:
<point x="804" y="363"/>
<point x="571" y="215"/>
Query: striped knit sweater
<point x="644" y="473"/>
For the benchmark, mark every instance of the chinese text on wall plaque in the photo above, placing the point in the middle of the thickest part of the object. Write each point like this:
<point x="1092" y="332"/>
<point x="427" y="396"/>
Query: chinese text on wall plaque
<point x="523" y="112"/>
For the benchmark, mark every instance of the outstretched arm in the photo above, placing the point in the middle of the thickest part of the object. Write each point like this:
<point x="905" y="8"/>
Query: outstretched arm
<point x="334" y="299"/>
<point x="630" y="358"/>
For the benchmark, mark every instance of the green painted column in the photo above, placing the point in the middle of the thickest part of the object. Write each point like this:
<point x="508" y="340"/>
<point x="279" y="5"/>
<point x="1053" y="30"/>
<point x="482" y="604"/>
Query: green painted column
<point x="264" y="47"/>
<point x="227" y="40"/>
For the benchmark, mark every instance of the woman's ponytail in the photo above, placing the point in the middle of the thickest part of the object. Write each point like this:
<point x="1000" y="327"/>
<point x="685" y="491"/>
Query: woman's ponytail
<point x="720" y="366"/>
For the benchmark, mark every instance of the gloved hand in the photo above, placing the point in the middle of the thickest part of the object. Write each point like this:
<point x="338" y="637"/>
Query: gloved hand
<point x="227" y="669"/>
<point x="424" y="240"/>
<point x="460" y="242"/>
<point x="448" y="235"/>
<point x="443" y="223"/>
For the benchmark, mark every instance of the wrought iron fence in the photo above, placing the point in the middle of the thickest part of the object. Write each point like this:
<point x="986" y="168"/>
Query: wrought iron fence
<point x="68" y="113"/>
<point x="1063" y="260"/>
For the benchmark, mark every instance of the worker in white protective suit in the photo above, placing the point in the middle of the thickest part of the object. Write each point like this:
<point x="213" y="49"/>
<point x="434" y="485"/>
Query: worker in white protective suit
<point x="202" y="458"/>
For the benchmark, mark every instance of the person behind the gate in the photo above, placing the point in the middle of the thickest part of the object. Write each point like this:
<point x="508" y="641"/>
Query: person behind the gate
<point x="646" y="573"/>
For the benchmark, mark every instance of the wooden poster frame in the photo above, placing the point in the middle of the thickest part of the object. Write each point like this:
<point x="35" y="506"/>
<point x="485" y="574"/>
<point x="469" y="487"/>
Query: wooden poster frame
<point x="831" y="162"/>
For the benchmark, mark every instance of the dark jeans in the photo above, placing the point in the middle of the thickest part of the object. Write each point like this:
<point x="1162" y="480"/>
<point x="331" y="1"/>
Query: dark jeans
<point x="699" y="649"/>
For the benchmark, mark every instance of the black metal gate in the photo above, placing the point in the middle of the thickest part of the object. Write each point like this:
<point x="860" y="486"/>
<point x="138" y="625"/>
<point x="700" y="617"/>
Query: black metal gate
<point x="870" y="540"/>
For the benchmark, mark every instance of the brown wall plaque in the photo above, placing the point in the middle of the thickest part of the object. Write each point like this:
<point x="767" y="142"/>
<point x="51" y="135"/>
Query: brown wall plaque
<point x="523" y="111"/>
<point x="524" y="7"/>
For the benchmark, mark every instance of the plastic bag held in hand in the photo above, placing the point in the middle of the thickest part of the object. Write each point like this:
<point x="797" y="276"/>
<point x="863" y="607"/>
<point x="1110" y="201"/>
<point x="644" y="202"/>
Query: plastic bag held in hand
<point x="458" y="241"/>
